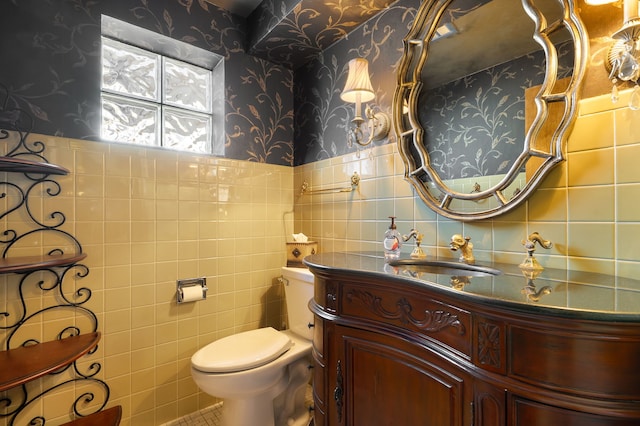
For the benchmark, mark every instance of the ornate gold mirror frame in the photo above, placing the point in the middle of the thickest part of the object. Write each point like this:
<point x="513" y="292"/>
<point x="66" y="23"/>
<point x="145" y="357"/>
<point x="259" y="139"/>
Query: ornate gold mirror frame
<point x="551" y="111"/>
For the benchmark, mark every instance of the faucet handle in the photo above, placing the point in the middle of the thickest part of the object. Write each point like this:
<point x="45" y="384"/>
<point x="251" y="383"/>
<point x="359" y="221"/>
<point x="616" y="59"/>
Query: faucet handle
<point x="534" y="237"/>
<point x="530" y="262"/>
<point x="417" y="252"/>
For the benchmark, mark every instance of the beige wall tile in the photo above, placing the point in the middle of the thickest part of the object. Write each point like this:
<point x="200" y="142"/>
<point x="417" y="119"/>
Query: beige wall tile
<point x="141" y="383"/>
<point x="628" y="203"/>
<point x="117" y="232"/>
<point x="595" y="167"/>
<point x="626" y="126"/>
<point x="508" y="236"/>
<point x="591" y="240"/>
<point x="592" y="203"/>
<point x="117" y="365"/>
<point x="117" y="209"/>
<point x="88" y="162"/>
<point x="628" y="164"/>
<point x="143" y="188"/>
<point x="549" y="205"/>
<point x="89" y="186"/>
<point x="117" y="299"/>
<point x="118" y="187"/>
<point x="142" y="404"/>
<point x="628" y="235"/>
<point x="118" y="163"/>
<point x="592" y="131"/>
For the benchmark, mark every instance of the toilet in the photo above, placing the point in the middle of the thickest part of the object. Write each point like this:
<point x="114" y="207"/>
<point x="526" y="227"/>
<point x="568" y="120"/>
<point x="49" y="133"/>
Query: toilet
<point x="262" y="375"/>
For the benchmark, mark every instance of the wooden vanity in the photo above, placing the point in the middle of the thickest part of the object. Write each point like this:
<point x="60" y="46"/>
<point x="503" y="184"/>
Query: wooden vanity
<point x="399" y="346"/>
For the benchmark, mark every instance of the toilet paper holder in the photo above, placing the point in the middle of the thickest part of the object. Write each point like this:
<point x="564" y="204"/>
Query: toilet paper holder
<point x="187" y="290"/>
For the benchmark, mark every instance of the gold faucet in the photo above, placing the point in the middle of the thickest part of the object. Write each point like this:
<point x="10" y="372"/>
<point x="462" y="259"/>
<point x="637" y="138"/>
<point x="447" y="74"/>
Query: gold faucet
<point x="530" y="262"/>
<point x="458" y="242"/>
<point x="417" y="252"/>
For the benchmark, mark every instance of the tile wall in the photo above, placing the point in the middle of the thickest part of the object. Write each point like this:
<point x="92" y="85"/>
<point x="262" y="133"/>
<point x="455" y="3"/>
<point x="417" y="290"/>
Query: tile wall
<point x="147" y="217"/>
<point x="588" y="206"/>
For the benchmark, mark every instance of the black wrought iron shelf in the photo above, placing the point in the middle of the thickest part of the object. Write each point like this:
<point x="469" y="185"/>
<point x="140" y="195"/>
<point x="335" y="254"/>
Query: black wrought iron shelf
<point x="20" y="165"/>
<point x="29" y="355"/>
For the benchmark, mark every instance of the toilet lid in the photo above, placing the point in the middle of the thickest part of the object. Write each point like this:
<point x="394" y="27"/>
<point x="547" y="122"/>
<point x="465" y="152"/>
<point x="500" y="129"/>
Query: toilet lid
<point x="241" y="351"/>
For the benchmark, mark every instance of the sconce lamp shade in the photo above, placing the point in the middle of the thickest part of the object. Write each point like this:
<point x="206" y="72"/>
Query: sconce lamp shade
<point x="358" y="82"/>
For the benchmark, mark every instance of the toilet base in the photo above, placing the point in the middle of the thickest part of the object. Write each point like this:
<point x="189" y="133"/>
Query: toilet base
<point x="244" y="412"/>
<point x="288" y="408"/>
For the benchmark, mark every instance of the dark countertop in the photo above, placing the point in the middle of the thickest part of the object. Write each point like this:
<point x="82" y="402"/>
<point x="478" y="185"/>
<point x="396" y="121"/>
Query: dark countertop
<point x="575" y="294"/>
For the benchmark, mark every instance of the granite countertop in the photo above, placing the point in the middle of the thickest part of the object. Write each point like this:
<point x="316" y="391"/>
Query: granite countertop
<point x="575" y="294"/>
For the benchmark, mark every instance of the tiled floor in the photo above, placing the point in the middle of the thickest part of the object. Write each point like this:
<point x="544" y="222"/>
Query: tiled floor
<point x="211" y="416"/>
<point x="208" y="417"/>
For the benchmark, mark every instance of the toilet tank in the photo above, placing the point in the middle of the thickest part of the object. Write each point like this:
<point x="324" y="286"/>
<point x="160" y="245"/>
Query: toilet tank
<point x="298" y="290"/>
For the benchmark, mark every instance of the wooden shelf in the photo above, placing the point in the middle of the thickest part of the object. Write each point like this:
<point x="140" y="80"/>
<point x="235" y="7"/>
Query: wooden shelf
<point x="32" y="263"/>
<point x="20" y="165"/>
<point x="27" y="363"/>
<point x="109" y="417"/>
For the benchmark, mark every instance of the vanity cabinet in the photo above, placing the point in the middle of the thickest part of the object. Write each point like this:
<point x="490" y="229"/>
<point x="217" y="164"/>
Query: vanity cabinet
<point x="389" y="351"/>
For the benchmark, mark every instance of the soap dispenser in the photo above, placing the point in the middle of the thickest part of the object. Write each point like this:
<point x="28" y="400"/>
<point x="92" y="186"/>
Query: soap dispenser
<point x="392" y="241"/>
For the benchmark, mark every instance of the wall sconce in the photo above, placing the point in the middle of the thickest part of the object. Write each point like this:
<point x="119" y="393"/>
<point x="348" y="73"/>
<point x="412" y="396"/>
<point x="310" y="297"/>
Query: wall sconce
<point x="623" y="61"/>
<point x="357" y="90"/>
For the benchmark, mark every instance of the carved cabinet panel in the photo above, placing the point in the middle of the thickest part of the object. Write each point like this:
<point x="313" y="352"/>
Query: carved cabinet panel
<point x="424" y="318"/>
<point x="376" y="380"/>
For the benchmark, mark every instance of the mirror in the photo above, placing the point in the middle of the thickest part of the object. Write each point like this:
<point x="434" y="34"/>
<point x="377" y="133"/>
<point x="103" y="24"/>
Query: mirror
<point x="486" y="96"/>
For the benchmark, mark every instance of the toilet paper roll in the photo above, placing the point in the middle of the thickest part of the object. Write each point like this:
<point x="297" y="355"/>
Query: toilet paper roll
<point x="191" y="293"/>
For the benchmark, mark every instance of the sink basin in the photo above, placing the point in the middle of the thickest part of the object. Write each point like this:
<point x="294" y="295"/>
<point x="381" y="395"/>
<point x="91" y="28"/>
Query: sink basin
<point x="445" y="268"/>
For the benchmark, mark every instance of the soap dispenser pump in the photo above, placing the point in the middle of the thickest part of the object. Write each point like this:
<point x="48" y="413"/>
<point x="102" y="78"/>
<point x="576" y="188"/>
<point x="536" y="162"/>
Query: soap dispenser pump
<point x="392" y="241"/>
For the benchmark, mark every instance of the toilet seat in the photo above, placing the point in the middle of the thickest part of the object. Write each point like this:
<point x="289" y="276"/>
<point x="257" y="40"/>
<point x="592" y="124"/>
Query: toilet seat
<point x="242" y="351"/>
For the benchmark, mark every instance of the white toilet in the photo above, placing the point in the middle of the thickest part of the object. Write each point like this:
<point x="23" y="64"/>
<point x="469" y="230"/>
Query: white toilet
<point x="262" y="375"/>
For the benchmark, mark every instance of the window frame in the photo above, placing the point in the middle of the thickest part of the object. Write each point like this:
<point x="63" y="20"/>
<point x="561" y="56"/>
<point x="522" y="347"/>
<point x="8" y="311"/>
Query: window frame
<point x="168" y="53"/>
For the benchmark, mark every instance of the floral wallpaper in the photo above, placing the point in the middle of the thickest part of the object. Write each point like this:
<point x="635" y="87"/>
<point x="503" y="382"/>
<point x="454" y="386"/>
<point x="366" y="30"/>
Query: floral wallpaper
<point x="50" y="51"/>
<point x="322" y="118"/>
<point x="284" y="67"/>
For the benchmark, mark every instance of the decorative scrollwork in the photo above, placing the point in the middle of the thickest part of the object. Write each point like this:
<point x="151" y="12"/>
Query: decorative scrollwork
<point x="31" y="227"/>
<point x="434" y="320"/>
<point x="81" y="405"/>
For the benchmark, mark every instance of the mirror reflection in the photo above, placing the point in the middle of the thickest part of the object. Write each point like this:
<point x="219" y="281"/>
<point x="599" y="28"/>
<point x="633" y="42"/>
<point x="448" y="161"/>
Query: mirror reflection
<point x="487" y="94"/>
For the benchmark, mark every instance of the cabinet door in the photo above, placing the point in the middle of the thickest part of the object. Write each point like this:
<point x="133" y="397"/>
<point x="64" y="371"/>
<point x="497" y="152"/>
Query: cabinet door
<point x="381" y="380"/>
<point x="320" y="390"/>
<point x="489" y="404"/>
<point x="525" y="412"/>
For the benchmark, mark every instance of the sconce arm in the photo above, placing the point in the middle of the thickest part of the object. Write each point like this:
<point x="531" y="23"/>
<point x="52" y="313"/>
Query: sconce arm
<point x="378" y="124"/>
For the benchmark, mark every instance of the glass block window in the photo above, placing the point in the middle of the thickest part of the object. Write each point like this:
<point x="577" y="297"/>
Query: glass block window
<point x="150" y="99"/>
